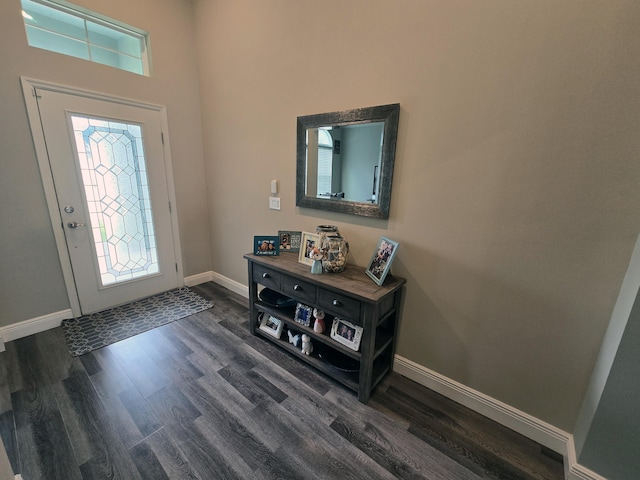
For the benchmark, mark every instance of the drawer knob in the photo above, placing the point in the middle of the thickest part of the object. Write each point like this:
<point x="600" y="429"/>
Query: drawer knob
<point x="297" y="287"/>
<point x="337" y="303"/>
<point x="265" y="275"/>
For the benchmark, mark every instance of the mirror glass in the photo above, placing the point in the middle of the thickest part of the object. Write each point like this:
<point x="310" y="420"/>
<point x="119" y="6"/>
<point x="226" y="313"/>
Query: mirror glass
<point x="345" y="160"/>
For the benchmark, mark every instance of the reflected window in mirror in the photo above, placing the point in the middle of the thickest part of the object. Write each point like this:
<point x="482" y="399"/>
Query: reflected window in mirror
<point x="325" y="162"/>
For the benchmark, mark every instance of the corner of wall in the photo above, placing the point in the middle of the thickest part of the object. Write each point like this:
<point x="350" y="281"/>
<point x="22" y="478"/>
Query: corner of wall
<point x="226" y="282"/>
<point x="573" y="470"/>
<point x="622" y="310"/>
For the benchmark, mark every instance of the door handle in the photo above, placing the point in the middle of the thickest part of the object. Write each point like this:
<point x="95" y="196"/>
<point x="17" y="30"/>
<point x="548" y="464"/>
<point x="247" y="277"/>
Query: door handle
<point x="76" y="224"/>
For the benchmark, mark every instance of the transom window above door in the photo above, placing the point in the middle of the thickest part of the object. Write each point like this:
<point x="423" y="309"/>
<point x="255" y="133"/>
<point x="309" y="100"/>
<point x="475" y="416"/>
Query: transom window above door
<point x="64" y="28"/>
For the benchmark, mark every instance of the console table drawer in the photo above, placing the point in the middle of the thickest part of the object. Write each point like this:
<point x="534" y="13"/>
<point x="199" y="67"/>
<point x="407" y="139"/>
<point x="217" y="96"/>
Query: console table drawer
<point x="339" y="305"/>
<point x="303" y="291"/>
<point x="267" y="277"/>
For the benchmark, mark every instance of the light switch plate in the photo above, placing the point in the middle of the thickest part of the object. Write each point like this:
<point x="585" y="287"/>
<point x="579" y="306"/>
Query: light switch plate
<point x="274" y="203"/>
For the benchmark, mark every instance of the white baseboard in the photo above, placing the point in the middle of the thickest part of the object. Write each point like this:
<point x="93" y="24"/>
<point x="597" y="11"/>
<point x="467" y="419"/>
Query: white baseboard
<point x="575" y="471"/>
<point x="33" y="325"/>
<point x="545" y="434"/>
<point x="226" y="282"/>
<point x="537" y="430"/>
<point x="578" y="472"/>
<point x="198" y="279"/>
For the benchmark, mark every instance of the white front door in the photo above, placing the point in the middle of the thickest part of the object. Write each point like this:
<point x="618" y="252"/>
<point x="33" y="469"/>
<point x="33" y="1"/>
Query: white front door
<point x="112" y="195"/>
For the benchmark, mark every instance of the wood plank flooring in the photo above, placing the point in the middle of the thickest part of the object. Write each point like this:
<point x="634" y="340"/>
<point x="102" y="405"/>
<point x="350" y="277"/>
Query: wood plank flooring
<point x="201" y="398"/>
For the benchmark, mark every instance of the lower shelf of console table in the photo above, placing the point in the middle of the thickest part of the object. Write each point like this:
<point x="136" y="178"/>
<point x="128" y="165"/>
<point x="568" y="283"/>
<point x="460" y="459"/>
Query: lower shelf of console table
<point x="351" y="296"/>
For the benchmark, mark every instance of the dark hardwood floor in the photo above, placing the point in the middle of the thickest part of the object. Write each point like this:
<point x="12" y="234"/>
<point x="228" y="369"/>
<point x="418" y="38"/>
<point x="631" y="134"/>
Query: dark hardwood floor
<point x="201" y="398"/>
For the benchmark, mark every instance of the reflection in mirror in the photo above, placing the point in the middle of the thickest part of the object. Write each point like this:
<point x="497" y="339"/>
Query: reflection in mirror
<point x="345" y="160"/>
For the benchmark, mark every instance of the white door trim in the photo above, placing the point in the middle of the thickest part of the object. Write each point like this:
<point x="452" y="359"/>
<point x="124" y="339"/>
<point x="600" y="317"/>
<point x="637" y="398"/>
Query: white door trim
<point x="28" y="88"/>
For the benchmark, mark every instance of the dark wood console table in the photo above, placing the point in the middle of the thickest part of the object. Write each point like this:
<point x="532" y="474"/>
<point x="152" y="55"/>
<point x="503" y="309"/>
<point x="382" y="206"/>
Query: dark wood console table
<point x="351" y="296"/>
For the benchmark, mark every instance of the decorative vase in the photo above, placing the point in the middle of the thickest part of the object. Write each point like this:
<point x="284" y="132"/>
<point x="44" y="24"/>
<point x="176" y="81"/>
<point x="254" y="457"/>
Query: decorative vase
<point x="334" y="247"/>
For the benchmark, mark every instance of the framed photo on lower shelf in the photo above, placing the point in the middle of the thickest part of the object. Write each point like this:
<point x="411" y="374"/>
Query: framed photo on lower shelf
<point x="303" y="314"/>
<point x="271" y="325"/>
<point x="346" y="333"/>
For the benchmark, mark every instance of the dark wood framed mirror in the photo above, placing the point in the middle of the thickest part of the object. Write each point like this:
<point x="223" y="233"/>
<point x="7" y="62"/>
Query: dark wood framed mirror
<point x="344" y="160"/>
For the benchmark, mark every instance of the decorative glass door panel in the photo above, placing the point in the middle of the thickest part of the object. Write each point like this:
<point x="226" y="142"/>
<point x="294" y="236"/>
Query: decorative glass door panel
<point x="116" y="188"/>
<point x="112" y="189"/>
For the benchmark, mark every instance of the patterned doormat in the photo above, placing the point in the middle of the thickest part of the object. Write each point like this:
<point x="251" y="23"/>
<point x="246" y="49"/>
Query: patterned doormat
<point x="97" y="330"/>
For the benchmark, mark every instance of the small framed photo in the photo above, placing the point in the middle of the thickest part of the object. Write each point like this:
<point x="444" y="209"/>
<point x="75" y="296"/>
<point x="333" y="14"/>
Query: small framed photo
<point x="380" y="263"/>
<point x="266" y="245"/>
<point x="307" y="243"/>
<point x="303" y="314"/>
<point x="271" y="325"/>
<point x="289" y="240"/>
<point x="346" y="333"/>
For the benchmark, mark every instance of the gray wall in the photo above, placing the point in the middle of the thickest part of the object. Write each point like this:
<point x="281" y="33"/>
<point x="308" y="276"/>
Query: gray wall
<point x="515" y="196"/>
<point x="31" y="283"/>
<point x="611" y="446"/>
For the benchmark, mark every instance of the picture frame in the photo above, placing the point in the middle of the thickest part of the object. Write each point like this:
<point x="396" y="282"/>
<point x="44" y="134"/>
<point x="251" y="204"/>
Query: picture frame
<point x="380" y="263"/>
<point x="346" y="333"/>
<point x="307" y="242"/>
<point x="290" y="240"/>
<point x="271" y="325"/>
<point x="303" y="314"/>
<point x="268" y="245"/>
